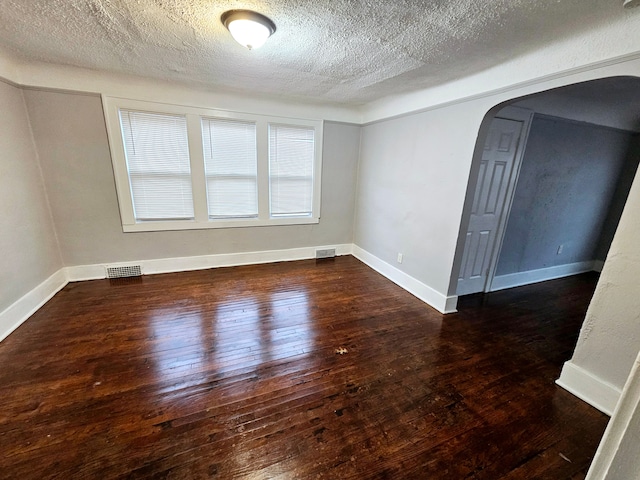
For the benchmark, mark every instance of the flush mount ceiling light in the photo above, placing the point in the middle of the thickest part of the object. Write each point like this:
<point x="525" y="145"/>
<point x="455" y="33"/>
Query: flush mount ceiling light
<point x="631" y="3"/>
<point x="250" y="29"/>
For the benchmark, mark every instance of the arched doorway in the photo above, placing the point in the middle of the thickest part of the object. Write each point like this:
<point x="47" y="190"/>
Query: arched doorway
<point x="555" y="211"/>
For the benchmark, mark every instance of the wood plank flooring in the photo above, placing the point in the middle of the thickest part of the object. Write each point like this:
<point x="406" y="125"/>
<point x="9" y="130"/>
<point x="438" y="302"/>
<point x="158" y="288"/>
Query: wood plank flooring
<point x="233" y="373"/>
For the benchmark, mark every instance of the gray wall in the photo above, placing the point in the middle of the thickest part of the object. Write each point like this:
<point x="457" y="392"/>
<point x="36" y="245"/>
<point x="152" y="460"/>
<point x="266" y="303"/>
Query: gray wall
<point x="412" y="183"/>
<point x="565" y="193"/>
<point x="28" y="249"/>
<point x="71" y="138"/>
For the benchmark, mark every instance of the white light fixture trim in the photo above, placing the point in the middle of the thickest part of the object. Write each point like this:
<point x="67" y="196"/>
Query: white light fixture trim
<point x="250" y="29"/>
<point x="631" y="3"/>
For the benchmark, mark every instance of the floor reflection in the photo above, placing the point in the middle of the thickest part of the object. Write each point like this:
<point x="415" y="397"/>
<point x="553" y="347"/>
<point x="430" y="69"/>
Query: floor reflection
<point x="178" y="341"/>
<point x="237" y="340"/>
<point x="291" y="325"/>
<point x="249" y="333"/>
<point x="236" y="336"/>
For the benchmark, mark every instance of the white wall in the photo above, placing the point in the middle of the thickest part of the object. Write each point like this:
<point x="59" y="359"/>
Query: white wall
<point x="29" y="251"/>
<point x="72" y="142"/>
<point x="610" y="337"/>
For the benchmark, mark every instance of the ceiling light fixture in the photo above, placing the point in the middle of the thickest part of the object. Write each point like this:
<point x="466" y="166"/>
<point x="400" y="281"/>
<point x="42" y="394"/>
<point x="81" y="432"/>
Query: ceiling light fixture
<point x="250" y="29"/>
<point x="631" y="3"/>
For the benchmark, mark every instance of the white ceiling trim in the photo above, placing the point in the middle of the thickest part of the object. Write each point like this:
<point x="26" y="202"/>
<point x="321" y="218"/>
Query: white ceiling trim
<point x="9" y="68"/>
<point x="59" y="77"/>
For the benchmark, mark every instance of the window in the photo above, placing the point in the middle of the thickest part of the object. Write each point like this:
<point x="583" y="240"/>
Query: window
<point x="291" y="170"/>
<point x="187" y="168"/>
<point x="231" y="168"/>
<point x="157" y="155"/>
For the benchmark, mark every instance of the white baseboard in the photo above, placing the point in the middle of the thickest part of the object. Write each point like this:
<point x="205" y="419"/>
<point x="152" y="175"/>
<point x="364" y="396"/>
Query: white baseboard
<point x="15" y="315"/>
<point x="202" y="262"/>
<point x="598" y="265"/>
<point x="533" y="276"/>
<point x="586" y="386"/>
<point x="437" y="300"/>
<point x="85" y="272"/>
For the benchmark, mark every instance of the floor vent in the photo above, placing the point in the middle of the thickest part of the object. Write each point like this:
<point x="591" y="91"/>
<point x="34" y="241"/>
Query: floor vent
<point x="122" y="272"/>
<point x="327" y="253"/>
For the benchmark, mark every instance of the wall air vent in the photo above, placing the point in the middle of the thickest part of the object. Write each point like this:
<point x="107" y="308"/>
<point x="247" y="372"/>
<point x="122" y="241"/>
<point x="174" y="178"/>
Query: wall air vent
<point x="327" y="253"/>
<point x="123" y="272"/>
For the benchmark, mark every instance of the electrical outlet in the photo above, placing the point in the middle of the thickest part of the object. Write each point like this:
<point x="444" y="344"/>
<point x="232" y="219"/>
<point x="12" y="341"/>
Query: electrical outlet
<point x="560" y="248"/>
<point x="400" y="257"/>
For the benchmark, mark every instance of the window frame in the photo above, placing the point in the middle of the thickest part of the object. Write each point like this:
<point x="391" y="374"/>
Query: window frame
<point x="194" y="116"/>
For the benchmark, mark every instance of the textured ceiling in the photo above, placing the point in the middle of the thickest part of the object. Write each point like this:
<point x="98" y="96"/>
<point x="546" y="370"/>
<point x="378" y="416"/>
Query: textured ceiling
<point x="345" y="51"/>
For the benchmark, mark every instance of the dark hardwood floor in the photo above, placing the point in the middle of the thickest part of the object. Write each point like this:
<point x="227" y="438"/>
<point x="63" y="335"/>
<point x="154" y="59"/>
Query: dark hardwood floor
<point x="233" y="373"/>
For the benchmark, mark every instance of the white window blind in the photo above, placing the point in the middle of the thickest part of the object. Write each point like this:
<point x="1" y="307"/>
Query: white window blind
<point x="157" y="156"/>
<point x="231" y="167"/>
<point x="291" y="154"/>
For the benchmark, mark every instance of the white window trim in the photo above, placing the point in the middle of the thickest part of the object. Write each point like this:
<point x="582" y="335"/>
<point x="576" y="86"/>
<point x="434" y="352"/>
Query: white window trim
<point x="112" y="105"/>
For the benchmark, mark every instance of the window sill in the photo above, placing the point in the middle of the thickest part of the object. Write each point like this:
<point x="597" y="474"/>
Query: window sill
<point x="159" y="226"/>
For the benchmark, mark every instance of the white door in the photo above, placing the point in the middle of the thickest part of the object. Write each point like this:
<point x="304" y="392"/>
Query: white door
<point x="496" y="169"/>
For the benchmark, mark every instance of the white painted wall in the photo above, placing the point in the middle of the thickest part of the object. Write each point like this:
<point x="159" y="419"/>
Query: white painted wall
<point x="610" y="337"/>
<point x="28" y="248"/>
<point x="72" y="142"/>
